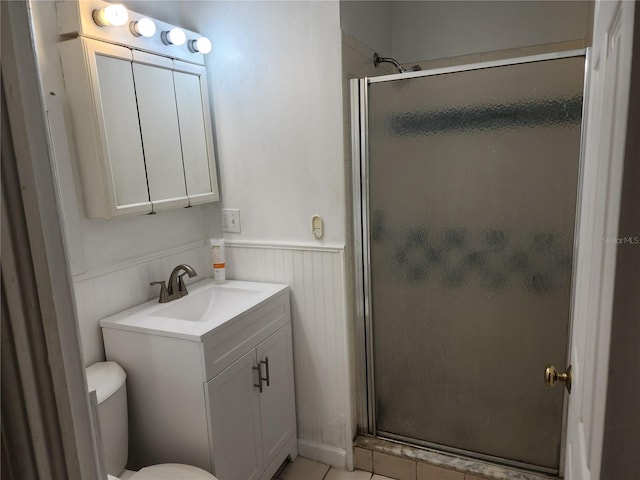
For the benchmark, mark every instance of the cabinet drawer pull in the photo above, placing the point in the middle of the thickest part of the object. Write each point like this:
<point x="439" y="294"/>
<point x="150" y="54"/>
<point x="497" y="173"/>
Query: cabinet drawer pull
<point x="261" y="379"/>
<point x="266" y="364"/>
<point x="259" y="384"/>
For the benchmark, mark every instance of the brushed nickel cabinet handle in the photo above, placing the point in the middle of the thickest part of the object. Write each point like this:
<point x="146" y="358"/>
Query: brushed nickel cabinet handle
<point x="265" y="362"/>
<point x="259" y="384"/>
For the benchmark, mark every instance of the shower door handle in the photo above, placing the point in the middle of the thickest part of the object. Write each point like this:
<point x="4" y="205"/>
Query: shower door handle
<point x="551" y="376"/>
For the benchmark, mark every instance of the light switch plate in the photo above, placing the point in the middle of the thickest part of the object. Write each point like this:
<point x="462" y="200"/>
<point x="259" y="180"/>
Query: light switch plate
<point x="231" y="220"/>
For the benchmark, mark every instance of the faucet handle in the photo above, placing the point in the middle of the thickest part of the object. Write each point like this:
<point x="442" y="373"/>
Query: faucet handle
<point x="164" y="294"/>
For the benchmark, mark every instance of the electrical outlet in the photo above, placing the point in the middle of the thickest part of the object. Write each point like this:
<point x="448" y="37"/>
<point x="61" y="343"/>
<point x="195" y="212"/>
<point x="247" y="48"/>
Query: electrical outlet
<point x="231" y="220"/>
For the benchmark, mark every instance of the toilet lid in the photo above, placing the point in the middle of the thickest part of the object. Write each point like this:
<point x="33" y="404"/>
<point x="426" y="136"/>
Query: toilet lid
<point x="172" y="471"/>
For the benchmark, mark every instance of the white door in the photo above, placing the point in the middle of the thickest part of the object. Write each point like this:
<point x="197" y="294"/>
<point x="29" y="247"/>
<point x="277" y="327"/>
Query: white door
<point x="608" y="97"/>
<point x="195" y="131"/>
<point x="153" y="77"/>
<point x="277" y="404"/>
<point x="115" y="101"/>
<point x="234" y="407"/>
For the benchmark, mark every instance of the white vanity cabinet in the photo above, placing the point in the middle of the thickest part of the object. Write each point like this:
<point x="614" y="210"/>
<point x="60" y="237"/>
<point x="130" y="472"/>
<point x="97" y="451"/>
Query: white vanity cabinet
<point x="223" y="402"/>
<point x="253" y="423"/>
<point x="142" y="128"/>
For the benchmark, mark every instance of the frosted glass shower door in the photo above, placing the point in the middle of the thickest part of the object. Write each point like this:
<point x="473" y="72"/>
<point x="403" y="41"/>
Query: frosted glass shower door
<point x="472" y="180"/>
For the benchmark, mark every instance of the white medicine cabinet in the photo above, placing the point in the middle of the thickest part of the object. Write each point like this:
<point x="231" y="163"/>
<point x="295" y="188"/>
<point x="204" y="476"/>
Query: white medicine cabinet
<point x="141" y="121"/>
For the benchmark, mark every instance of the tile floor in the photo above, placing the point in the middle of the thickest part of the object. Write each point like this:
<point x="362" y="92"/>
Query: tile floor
<point x="305" y="469"/>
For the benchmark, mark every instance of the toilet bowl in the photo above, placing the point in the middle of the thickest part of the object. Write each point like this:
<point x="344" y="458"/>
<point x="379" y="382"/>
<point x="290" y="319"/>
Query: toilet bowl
<point x="108" y="379"/>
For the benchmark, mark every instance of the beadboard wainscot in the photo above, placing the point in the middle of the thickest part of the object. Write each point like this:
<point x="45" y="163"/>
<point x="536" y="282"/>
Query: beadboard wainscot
<point x="105" y="291"/>
<point x="316" y="275"/>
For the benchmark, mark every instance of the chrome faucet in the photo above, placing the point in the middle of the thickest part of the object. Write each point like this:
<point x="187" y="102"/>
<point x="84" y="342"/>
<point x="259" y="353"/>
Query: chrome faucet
<point x="177" y="288"/>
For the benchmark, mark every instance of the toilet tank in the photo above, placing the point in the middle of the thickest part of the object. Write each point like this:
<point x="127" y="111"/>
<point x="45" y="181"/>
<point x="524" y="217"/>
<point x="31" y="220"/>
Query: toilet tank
<point x="108" y="379"/>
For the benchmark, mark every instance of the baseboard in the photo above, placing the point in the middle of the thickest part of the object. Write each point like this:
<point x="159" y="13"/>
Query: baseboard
<point x="320" y="452"/>
<point x="290" y="450"/>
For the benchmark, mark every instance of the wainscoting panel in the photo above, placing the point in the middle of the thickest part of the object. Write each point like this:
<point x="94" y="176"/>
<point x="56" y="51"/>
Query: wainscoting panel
<point x="316" y="275"/>
<point x="110" y="290"/>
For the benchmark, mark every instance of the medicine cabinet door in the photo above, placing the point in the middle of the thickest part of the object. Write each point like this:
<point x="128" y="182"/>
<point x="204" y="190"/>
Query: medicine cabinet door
<point x="158" y="114"/>
<point x="103" y="103"/>
<point x="195" y="131"/>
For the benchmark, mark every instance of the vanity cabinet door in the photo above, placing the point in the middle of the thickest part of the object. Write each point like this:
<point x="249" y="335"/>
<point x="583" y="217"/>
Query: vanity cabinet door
<point x="277" y="400"/>
<point x="158" y="115"/>
<point x="198" y="157"/>
<point x="102" y="97"/>
<point x="251" y="428"/>
<point x="235" y="421"/>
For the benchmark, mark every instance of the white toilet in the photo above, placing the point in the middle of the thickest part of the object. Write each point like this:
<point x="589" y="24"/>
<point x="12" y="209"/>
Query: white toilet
<point x="108" y="379"/>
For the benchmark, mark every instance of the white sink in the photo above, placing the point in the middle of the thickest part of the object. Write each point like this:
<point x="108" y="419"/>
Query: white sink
<point x="199" y="306"/>
<point x="207" y="308"/>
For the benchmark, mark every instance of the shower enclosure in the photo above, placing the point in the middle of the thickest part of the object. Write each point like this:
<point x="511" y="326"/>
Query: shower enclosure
<point x="465" y="187"/>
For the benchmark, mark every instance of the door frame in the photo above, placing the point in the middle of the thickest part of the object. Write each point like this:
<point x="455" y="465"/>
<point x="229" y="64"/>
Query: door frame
<point x="54" y="437"/>
<point x="609" y="153"/>
<point x="363" y="331"/>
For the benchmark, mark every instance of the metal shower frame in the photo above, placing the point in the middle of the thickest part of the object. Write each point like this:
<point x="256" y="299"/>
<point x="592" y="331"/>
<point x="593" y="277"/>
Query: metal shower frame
<point x="365" y="386"/>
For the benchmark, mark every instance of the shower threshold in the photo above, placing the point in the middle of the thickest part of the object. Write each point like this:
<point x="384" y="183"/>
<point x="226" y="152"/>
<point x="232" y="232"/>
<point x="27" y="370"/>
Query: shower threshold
<point x="457" y="462"/>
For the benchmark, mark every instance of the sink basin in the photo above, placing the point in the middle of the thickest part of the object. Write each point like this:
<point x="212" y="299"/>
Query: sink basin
<point x="207" y="308"/>
<point x="199" y="306"/>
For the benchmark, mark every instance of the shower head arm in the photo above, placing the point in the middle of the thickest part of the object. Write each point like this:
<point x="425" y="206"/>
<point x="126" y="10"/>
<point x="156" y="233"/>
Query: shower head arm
<point x="377" y="59"/>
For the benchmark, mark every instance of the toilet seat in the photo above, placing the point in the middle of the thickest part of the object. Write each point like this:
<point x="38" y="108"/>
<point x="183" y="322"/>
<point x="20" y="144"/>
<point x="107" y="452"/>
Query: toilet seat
<point x="169" y="471"/>
<point x="172" y="471"/>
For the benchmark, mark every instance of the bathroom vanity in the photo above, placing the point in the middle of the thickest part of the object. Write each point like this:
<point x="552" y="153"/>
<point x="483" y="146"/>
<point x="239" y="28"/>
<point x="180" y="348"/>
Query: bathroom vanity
<point x="209" y="379"/>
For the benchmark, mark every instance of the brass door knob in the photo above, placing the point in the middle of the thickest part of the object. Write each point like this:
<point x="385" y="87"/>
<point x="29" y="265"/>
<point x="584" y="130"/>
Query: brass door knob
<point x="551" y="376"/>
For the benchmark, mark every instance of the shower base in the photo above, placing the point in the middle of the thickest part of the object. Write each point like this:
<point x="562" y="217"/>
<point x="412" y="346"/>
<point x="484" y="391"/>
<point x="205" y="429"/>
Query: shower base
<point x="478" y="468"/>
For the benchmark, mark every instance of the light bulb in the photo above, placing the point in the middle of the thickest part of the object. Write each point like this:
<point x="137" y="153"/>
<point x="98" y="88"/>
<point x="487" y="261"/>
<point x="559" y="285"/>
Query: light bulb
<point x="145" y="27"/>
<point x="201" y="45"/>
<point x="114" y="15"/>
<point x="175" y="36"/>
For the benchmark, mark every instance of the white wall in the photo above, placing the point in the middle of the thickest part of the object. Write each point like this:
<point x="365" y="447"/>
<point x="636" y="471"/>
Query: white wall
<point x="275" y="83"/>
<point x="369" y="22"/>
<point x="429" y="30"/>
<point x="417" y="31"/>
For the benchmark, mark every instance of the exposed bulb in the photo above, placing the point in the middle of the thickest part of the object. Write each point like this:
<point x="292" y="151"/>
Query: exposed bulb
<point x="114" y="15"/>
<point x="175" y="36"/>
<point x="201" y="45"/>
<point x="145" y="27"/>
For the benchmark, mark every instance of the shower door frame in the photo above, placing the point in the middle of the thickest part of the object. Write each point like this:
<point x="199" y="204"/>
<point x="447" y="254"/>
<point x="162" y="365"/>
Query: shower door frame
<point x="365" y="385"/>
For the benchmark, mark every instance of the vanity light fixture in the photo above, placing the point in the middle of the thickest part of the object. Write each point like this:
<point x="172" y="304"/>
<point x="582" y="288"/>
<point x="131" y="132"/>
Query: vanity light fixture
<point x="145" y="27"/>
<point x="201" y="45"/>
<point x="114" y="15"/>
<point x="175" y="36"/>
